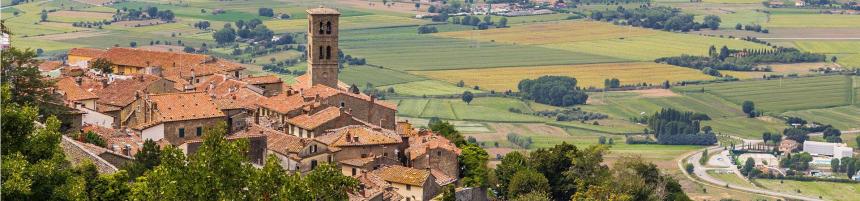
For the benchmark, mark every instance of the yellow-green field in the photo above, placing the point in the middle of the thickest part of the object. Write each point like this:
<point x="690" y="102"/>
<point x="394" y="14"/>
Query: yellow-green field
<point x="501" y="79"/>
<point x="604" y="39"/>
<point x="778" y="69"/>
<point x="827" y="190"/>
<point x="354" y="22"/>
<point x="813" y="20"/>
<point x="847" y="52"/>
<point x="428" y="87"/>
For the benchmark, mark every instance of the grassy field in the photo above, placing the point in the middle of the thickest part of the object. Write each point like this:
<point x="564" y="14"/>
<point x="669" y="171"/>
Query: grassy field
<point x="587" y="75"/>
<point x="480" y="109"/>
<point x="845" y="118"/>
<point x="603" y="39"/>
<point x="776" y="96"/>
<point x="813" y="20"/>
<point x="427" y="87"/>
<point x="346" y="23"/>
<point x="730" y="178"/>
<point x="847" y="52"/>
<point x="189" y="11"/>
<point x="748" y="128"/>
<point x="778" y="69"/>
<point x="402" y="48"/>
<point x="624" y="105"/>
<point x="827" y="190"/>
<point x="360" y="75"/>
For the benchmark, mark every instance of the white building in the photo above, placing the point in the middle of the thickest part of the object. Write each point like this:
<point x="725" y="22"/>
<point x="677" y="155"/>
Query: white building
<point x="837" y="150"/>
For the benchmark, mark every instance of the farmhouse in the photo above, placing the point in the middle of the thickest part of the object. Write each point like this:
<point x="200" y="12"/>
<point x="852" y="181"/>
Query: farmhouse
<point x="837" y="150"/>
<point x="411" y="183"/>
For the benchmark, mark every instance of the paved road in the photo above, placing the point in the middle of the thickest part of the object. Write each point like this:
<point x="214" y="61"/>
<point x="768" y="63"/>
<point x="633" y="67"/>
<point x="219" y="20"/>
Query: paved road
<point x="701" y="172"/>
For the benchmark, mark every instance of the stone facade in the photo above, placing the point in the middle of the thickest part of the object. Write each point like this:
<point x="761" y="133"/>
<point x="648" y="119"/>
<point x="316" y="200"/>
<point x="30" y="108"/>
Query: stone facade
<point x="191" y="127"/>
<point x="438" y="159"/>
<point x="323" y="46"/>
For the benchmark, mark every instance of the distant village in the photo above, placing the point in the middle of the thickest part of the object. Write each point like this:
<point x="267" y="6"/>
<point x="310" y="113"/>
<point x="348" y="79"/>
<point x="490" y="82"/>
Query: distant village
<point x="171" y="98"/>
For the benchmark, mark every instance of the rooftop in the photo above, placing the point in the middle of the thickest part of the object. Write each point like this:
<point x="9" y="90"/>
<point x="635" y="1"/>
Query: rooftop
<point x="323" y="11"/>
<point x="403" y="175"/>
<point x="72" y="91"/>
<point x="358" y="136"/>
<point x="185" y="106"/>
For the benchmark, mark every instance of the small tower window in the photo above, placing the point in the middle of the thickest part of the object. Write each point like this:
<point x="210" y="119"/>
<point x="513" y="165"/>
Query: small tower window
<point x="322" y="28"/>
<point x="328" y="27"/>
<point x="328" y="52"/>
<point x="322" y="54"/>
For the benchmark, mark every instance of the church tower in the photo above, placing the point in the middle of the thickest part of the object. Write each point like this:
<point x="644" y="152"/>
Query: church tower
<point x="322" y="46"/>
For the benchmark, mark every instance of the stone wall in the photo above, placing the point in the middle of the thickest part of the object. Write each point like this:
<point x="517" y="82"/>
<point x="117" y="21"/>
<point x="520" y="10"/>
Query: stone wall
<point x="171" y="129"/>
<point x="77" y="154"/>
<point x="439" y="159"/>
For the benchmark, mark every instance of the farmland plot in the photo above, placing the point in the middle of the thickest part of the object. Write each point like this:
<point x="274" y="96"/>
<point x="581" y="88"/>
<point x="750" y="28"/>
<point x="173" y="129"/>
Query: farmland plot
<point x="784" y="94"/>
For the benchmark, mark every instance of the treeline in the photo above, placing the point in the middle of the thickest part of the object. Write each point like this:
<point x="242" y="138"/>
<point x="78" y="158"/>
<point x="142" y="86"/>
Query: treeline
<point x="425" y="29"/>
<point x="143" y="14"/>
<point x="553" y="90"/>
<point x="476" y="21"/>
<point x="663" y="18"/>
<point x="741" y="60"/>
<point x="570" y="114"/>
<point x="675" y="127"/>
<point x="253" y="30"/>
<point x="566" y="172"/>
<point x="521" y="141"/>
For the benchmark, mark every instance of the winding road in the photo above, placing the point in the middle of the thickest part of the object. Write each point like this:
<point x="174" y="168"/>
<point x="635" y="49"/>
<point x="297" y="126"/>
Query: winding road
<point x="702" y="175"/>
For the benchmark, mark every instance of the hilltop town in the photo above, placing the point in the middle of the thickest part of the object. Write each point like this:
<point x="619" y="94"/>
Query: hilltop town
<point x="430" y="100"/>
<point x="172" y="97"/>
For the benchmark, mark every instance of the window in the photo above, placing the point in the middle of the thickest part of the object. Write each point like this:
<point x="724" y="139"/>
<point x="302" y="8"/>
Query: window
<point x="199" y="131"/>
<point x="408" y="199"/>
<point x="181" y="132"/>
<point x="328" y="52"/>
<point x="313" y="164"/>
<point x="321" y="28"/>
<point x="408" y="187"/>
<point x="328" y="27"/>
<point x="342" y="104"/>
<point x="353" y="171"/>
<point x="237" y="74"/>
<point x="313" y="148"/>
<point x="438" y="153"/>
<point x="322" y="55"/>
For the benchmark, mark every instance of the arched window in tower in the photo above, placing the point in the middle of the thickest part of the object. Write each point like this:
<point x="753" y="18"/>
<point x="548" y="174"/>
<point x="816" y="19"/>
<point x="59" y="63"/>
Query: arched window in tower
<point x="328" y="27"/>
<point x="321" y="54"/>
<point x="322" y="28"/>
<point x="328" y="52"/>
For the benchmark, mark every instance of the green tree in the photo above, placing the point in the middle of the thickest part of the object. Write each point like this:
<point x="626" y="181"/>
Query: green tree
<point x="467" y="97"/>
<point x="20" y="72"/>
<point x="704" y="158"/>
<point x="146" y="159"/>
<point x="225" y="35"/>
<point x="533" y="196"/>
<point x="748" y="107"/>
<point x="102" y="65"/>
<point x="326" y="182"/>
<point x="796" y="134"/>
<point x="44" y="15"/>
<point x="712" y="21"/>
<point x="766" y="136"/>
<point x="511" y="163"/>
<point x="724" y="53"/>
<point x="473" y="159"/>
<point x="834" y="165"/>
<point x="503" y="22"/>
<point x="748" y="167"/>
<point x="689" y="168"/>
<point x="448" y="131"/>
<point x="526" y="181"/>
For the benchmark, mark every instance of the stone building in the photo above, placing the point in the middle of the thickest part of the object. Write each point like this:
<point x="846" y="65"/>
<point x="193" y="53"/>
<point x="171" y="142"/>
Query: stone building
<point x="176" y="117"/>
<point x="352" y="142"/>
<point x="412" y="184"/>
<point x="116" y="98"/>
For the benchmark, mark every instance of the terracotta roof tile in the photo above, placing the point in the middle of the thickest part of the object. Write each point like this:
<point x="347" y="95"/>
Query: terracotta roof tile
<point x="185" y="106"/>
<point x="122" y="92"/>
<point x="312" y="121"/>
<point x="441" y="178"/>
<point x="421" y="144"/>
<point x="172" y="63"/>
<point x="282" y="103"/>
<point x="403" y="175"/>
<point x="358" y="136"/>
<point x="86" y="52"/>
<point x="71" y="90"/>
<point x="50" y="65"/>
<point x="358" y="162"/>
<point x="277" y="141"/>
<point x="114" y="137"/>
<point x="266" y="79"/>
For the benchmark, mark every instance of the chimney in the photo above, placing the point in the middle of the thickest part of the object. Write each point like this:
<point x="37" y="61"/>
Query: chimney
<point x="127" y="150"/>
<point x="115" y="148"/>
<point x="79" y="80"/>
<point x="348" y="137"/>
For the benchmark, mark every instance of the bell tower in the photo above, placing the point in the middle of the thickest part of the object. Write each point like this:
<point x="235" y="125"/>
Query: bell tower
<point x="322" y="46"/>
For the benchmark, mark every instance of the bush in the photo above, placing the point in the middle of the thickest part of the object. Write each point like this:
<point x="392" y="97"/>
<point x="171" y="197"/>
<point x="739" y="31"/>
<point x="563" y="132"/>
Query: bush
<point x="524" y="142"/>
